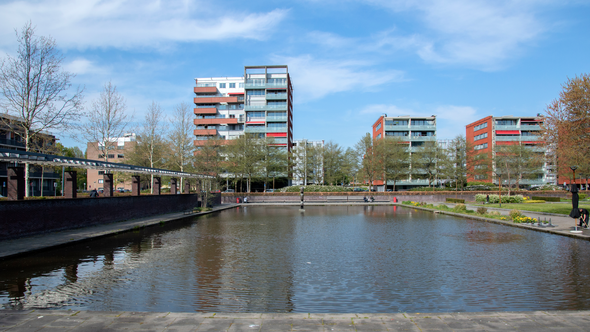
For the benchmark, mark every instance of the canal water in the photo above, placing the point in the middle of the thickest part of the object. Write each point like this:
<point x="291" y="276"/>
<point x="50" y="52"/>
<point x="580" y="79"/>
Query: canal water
<point x="334" y="259"/>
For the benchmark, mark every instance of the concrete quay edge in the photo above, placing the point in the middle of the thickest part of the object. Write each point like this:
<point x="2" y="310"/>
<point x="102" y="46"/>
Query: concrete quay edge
<point x="24" y="245"/>
<point x="71" y="320"/>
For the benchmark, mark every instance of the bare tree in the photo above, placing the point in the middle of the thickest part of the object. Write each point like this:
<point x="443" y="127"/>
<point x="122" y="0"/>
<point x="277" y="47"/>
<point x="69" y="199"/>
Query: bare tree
<point x="370" y="161"/>
<point x="107" y="121"/>
<point x="34" y="90"/>
<point x="150" y="143"/>
<point x="180" y="138"/>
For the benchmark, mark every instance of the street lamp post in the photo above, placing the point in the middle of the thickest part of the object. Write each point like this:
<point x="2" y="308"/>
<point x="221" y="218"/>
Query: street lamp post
<point x="574" y="190"/>
<point x="500" y="189"/>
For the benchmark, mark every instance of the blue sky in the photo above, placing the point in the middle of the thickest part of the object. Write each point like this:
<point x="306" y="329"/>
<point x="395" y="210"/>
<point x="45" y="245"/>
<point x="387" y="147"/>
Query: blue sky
<point x="350" y="60"/>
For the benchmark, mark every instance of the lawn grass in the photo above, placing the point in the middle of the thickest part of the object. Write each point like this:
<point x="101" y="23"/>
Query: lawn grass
<point x="559" y="208"/>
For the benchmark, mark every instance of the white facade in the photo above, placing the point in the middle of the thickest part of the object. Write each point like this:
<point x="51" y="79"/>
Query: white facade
<point x="301" y="158"/>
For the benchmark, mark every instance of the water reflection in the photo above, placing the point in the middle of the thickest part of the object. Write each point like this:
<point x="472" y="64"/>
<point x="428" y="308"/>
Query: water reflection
<point x="327" y="259"/>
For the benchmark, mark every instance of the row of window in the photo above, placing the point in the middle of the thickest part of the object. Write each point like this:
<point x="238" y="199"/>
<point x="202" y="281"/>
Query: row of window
<point x="481" y="146"/>
<point x="482" y="136"/>
<point x="506" y="122"/>
<point x="481" y="126"/>
<point x="111" y="156"/>
<point x="231" y="85"/>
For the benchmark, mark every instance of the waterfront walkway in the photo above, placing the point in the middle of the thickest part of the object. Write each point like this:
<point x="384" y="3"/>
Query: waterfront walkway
<point x="88" y="321"/>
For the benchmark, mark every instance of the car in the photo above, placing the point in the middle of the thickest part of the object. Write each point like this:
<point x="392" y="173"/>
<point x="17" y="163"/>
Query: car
<point x="229" y="191"/>
<point x="270" y="190"/>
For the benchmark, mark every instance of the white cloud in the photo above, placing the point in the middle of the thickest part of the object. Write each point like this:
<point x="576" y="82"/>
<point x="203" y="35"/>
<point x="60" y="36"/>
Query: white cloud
<point x="476" y="33"/>
<point x="451" y="120"/>
<point x="390" y="110"/>
<point x="317" y="78"/>
<point x="133" y="23"/>
<point x="81" y="66"/>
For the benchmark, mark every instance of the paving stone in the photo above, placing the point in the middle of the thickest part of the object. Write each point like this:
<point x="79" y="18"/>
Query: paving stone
<point x="305" y="324"/>
<point x="186" y="321"/>
<point x="339" y="325"/>
<point x="277" y="324"/>
<point x="246" y="325"/>
<point x="215" y="325"/>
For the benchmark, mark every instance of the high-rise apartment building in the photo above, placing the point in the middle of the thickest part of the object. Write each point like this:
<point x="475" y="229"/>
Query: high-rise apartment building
<point x="488" y="133"/>
<point x="259" y="103"/>
<point x="414" y="131"/>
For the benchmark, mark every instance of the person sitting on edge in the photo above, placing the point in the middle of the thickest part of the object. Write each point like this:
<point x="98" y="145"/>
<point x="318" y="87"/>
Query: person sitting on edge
<point x="583" y="218"/>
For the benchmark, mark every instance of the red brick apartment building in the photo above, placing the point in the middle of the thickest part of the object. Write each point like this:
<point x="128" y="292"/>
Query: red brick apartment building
<point x="487" y="133"/>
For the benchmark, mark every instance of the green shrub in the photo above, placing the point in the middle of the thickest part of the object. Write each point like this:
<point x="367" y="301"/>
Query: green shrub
<point x="460" y="208"/>
<point x="407" y="202"/>
<point x="494" y="198"/>
<point x="317" y="188"/>
<point x="515" y="214"/>
<point x="582" y="196"/>
<point x="455" y="200"/>
<point x="546" y="199"/>
<point x="482" y="210"/>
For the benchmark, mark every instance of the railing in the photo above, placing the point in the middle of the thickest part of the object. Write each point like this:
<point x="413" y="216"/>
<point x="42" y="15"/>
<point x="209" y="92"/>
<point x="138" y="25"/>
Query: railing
<point x="255" y="129"/>
<point x="530" y="127"/>
<point x="423" y="127"/>
<point x="264" y="85"/>
<point x="274" y="96"/>
<point x="276" y="118"/>
<point x="508" y="138"/>
<point x="422" y="138"/>
<point x="11" y="142"/>
<point x="276" y="129"/>
<point x="221" y="116"/>
<point x="251" y="118"/>
<point x="206" y="85"/>
<point x="217" y="95"/>
<point x="231" y="107"/>
<point x="277" y="107"/>
<point x="254" y="107"/>
<point x="397" y="128"/>
<point x="507" y="127"/>
<point x="280" y="141"/>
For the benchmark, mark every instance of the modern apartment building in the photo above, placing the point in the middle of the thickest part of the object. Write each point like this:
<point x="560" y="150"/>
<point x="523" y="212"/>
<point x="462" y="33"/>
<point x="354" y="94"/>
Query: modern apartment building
<point x="119" y="148"/>
<point x="488" y="133"/>
<point x="308" y="161"/>
<point x="259" y="103"/>
<point x="12" y="140"/>
<point x="415" y="132"/>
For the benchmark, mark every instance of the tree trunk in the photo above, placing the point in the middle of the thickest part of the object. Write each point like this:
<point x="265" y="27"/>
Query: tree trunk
<point x="42" y="169"/>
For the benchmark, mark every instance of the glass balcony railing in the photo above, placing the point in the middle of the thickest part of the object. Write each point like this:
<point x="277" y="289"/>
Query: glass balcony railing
<point x="277" y="107"/>
<point x="530" y="127"/>
<point x="255" y="129"/>
<point x="206" y="85"/>
<point x="422" y="138"/>
<point x="508" y="138"/>
<point x="423" y="127"/>
<point x="280" y="141"/>
<point x="397" y="128"/>
<point x="254" y="107"/>
<point x="505" y="127"/>
<point x="276" y="129"/>
<point x="276" y="118"/>
<point x="276" y="96"/>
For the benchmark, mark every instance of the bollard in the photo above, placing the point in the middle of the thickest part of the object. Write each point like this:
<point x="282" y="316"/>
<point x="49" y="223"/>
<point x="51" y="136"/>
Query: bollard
<point x="301" y="208"/>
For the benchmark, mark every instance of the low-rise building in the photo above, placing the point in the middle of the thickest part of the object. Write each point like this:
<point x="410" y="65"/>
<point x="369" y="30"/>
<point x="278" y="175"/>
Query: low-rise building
<point x="119" y="150"/>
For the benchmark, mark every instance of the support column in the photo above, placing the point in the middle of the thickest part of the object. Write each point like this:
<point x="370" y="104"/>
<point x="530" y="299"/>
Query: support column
<point x="16" y="183"/>
<point x="187" y="187"/>
<point x="135" y="185"/>
<point x="108" y="185"/>
<point x="173" y="186"/>
<point x="71" y="184"/>
<point x="157" y="185"/>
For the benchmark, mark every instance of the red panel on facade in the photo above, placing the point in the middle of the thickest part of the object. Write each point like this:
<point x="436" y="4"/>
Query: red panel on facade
<point x="507" y="132"/>
<point x="235" y="93"/>
<point x="208" y="110"/>
<point x="276" y="134"/>
<point x="255" y="122"/>
<point x="208" y="89"/>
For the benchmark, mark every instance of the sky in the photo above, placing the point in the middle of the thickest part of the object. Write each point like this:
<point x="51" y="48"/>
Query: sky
<point x="350" y="61"/>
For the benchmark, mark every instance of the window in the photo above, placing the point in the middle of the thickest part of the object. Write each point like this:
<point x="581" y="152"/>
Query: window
<point x="111" y="156"/>
<point x="396" y="122"/>
<point x="100" y="181"/>
<point x="481" y="126"/>
<point x="100" y="172"/>
<point x="378" y="126"/>
<point x="481" y="177"/>
<point x="120" y="156"/>
<point x="257" y="92"/>
<point x="421" y="123"/>
<point x="256" y="114"/>
<point x="506" y="122"/>
<point x="482" y="136"/>
<point x="241" y="85"/>
<point x="396" y="133"/>
<point x="379" y="136"/>
<point x="277" y="125"/>
<point x="481" y="146"/>
<point x="232" y="85"/>
<point x="222" y="85"/>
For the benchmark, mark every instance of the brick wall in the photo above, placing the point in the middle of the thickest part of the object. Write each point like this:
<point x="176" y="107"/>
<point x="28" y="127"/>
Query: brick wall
<point x="20" y="218"/>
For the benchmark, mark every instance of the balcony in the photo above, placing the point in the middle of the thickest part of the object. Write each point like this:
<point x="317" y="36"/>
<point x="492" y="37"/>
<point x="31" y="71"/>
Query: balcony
<point x="508" y="138"/>
<point x="215" y="121"/>
<point x="276" y="129"/>
<point x="258" y="129"/>
<point x="215" y="100"/>
<point x="254" y="107"/>
<point x="424" y="127"/>
<point x="276" y="118"/>
<point x="12" y="142"/>
<point x="205" y="89"/>
<point x="276" y="96"/>
<point x="421" y="138"/>
<point x="252" y="84"/>
<point x="205" y="110"/>
<point x="530" y="127"/>
<point x="205" y="132"/>
<point x="397" y="128"/>
<point x="279" y="141"/>
<point x="277" y="107"/>
<point x="509" y="127"/>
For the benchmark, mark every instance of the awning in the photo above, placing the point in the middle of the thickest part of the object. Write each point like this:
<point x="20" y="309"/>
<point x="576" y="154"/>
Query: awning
<point x="507" y="132"/>
<point x="276" y="134"/>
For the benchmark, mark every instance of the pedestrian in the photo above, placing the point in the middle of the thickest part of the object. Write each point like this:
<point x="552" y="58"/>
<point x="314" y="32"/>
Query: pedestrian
<point x="94" y="193"/>
<point x="488" y="199"/>
<point x="583" y="218"/>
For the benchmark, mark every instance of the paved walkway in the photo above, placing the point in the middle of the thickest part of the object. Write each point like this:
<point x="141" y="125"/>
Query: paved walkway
<point x="45" y="321"/>
<point x="19" y="246"/>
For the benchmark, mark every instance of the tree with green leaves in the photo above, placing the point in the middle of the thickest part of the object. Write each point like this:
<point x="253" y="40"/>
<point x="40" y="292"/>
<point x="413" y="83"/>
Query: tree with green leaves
<point x="517" y="162"/>
<point x="370" y="165"/>
<point x="333" y="158"/>
<point x="243" y="158"/>
<point x="426" y="160"/>
<point x="454" y="166"/>
<point x="273" y="162"/>
<point x="395" y="159"/>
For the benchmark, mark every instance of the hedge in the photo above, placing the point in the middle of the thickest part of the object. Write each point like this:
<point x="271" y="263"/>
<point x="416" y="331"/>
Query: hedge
<point x="455" y="200"/>
<point x="494" y="198"/>
<point x="546" y="199"/>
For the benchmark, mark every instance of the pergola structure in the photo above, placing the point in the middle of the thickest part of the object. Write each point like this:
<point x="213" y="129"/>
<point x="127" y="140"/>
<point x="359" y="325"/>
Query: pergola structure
<point x="16" y="174"/>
